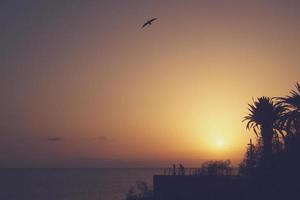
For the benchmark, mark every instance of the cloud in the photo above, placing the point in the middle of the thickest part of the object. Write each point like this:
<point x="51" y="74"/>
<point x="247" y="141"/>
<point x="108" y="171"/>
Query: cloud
<point x="55" y="139"/>
<point x="102" y="138"/>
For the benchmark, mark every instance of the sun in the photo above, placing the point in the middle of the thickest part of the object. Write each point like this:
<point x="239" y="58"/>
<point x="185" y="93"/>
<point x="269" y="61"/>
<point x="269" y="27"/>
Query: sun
<point x="220" y="143"/>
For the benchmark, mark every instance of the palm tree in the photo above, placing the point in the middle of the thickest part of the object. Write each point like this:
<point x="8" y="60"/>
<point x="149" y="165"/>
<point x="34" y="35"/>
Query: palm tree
<point x="291" y="119"/>
<point x="263" y="119"/>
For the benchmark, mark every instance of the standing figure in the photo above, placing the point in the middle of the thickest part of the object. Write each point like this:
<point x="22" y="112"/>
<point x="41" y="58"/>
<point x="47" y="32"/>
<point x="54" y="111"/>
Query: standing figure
<point x="174" y="169"/>
<point x="182" y="169"/>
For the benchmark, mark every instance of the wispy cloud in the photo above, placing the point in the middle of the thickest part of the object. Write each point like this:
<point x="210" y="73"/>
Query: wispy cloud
<point x="55" y="139"/>
<point x="102" y="138"/>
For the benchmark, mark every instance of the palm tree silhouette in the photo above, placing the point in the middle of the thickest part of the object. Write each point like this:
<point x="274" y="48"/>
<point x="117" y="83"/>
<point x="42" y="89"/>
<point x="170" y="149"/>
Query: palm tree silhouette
<point x="291" y="119"/>
<point x="263" y="120"/>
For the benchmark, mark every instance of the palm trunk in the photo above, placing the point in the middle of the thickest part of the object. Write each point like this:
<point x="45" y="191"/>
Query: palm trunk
<point x="267" y="136"/>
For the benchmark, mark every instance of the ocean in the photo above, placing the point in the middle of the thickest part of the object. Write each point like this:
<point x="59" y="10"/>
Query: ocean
<point x="70" y="184"/>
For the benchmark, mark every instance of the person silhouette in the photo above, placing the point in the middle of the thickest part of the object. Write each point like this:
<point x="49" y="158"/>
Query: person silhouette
<point x="174" y="169"/>
<point x="181" y="169"/>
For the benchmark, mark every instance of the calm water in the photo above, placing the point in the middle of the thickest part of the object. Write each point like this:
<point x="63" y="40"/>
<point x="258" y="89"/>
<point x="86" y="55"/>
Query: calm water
<point x="70" y="184"/>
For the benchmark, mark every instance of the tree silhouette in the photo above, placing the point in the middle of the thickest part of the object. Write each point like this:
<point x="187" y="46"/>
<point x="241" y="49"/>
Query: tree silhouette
<point x="140" y="192"/>
<point x="291" y="118"/>
<point x="251" y="160"/>
<point x="216" y="168"/>
<point x="265" y="168"/>
<point x="263" y="118"/>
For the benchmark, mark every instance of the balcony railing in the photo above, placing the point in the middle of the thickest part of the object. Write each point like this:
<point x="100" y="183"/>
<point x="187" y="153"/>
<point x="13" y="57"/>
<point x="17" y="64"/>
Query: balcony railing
<point x="197" y="172"/>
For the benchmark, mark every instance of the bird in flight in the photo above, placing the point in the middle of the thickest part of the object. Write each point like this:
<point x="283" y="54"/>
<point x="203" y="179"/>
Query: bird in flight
<point x="149" y="22"/>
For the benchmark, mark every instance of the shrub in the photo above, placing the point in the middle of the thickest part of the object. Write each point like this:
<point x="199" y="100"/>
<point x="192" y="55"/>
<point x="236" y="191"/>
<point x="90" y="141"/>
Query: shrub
<point x="140" y="192"/>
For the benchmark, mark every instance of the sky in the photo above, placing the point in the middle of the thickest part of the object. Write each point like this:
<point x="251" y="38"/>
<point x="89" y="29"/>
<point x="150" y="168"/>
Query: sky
<point x="82" y="85"/>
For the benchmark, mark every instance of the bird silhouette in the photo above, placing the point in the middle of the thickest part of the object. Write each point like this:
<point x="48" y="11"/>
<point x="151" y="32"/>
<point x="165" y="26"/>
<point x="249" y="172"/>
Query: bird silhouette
<point x="149" y="22"/>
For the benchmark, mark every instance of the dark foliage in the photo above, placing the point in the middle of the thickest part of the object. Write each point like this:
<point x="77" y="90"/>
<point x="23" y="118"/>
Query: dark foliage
<point x="216" y="168"/>
<point x="275" y="175"/>
<point x="263" y="118"/>
<point x="140" y="192"/>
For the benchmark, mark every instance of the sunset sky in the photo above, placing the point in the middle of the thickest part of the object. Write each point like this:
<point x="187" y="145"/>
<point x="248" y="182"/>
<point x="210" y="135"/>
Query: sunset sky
<point x="82" y="85"/>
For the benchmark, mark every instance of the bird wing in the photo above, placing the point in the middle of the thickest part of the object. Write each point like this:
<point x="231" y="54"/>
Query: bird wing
<point x="152" y="20"/>
<point x="149" y="22"/>
<point x="145" y="24"/>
